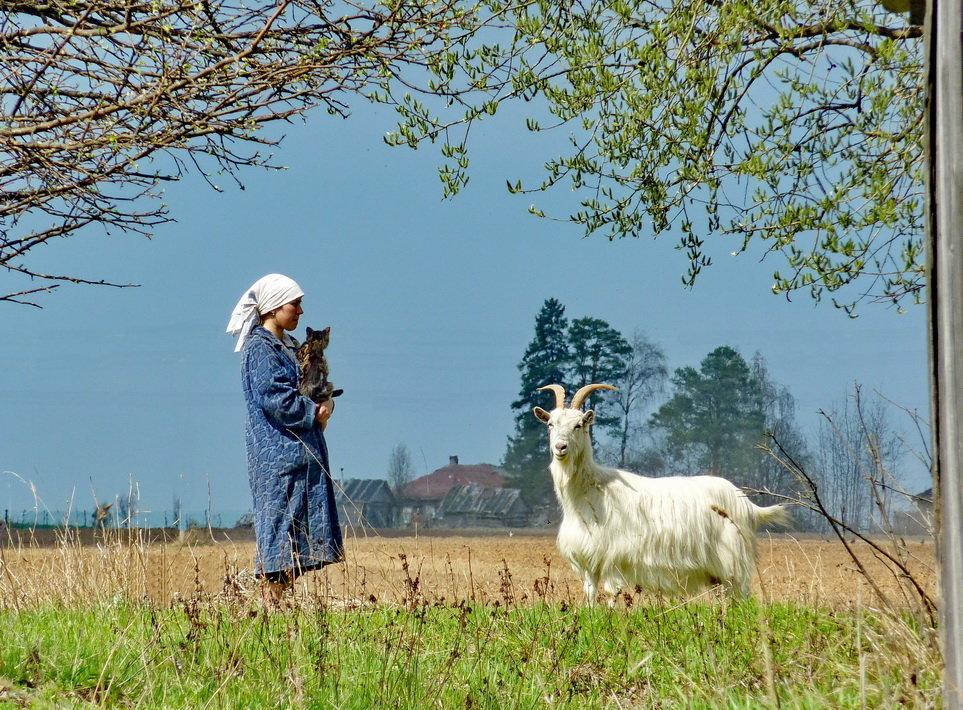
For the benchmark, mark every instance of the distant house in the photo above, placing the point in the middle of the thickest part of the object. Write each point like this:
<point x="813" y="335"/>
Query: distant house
<point x="924" y="502"/>
<point x="419" y="499"/>
<point x="917" y="518"/>
<point x="922" y="518"/>
<point x="365" y="503"/>
<point x="474" y="506"/>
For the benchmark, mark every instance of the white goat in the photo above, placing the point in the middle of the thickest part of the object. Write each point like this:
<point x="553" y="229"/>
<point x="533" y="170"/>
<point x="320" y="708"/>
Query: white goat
<point x="622" y="530"/>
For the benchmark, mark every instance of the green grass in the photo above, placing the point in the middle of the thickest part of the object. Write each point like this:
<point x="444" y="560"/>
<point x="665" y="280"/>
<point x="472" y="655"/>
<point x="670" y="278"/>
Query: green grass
<point x="229" y="654"/>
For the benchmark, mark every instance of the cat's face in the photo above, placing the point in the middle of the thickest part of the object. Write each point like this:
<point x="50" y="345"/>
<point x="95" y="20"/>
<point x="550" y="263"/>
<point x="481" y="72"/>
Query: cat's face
<point x="318" y="338"/>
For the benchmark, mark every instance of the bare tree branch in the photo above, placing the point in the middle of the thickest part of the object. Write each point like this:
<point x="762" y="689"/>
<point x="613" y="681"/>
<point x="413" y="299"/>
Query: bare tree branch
<point x="894" y="561"/>
<point x="102" y="101"/>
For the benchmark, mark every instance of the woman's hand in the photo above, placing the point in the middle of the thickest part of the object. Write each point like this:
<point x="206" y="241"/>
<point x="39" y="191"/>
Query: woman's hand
<point x="323" y="413"/>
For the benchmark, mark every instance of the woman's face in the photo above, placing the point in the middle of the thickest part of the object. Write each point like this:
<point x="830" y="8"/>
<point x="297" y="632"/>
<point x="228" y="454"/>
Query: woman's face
<point x="287" y="315"/>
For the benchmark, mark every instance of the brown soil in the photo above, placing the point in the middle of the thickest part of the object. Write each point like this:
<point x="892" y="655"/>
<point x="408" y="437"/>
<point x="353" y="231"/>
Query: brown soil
<point x="486" y="567"/>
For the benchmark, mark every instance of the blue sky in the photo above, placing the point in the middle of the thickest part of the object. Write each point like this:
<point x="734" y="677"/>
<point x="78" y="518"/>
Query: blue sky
<point x="431" y="305"/>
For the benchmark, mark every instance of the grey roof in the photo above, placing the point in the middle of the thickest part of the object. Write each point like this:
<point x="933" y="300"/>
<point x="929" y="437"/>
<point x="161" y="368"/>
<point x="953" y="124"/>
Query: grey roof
<point x="481" y="500"/>
<point x="362" y="490"/>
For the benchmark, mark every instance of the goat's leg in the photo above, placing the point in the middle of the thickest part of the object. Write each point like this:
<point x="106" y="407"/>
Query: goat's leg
<point x="591" y="587"/>
<point x="739" y="589"/>
<point x="613" y="590"/>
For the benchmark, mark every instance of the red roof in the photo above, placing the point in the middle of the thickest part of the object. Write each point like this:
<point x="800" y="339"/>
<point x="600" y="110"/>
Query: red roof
<point x="435" y="485"/>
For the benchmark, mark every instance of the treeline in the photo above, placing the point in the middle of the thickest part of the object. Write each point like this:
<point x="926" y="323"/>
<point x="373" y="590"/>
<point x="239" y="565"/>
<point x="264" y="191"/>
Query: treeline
<point x="716" y="418"/>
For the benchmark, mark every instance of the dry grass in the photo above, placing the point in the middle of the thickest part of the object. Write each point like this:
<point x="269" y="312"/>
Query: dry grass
<point x="448" y="621"/>
<point x="484" y="568"/>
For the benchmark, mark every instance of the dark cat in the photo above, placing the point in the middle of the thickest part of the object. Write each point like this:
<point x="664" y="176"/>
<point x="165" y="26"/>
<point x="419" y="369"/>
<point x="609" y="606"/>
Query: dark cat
<point x="314" y="367"/>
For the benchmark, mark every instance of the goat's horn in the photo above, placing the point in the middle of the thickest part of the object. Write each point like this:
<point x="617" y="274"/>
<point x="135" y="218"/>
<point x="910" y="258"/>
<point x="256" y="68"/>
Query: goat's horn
<point x="559" y="394"/>
<point x="580" y="396"/>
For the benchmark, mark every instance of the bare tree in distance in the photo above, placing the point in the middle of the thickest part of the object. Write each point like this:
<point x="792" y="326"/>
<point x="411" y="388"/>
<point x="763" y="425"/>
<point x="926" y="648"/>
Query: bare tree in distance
<point x="176" y="522"/>
<point x="855" y="463"/>
<point x="400" y="469"/>
<point x="105" y="101"/>
<point x="865" y="443"/>
<point x="128" y="505"/>
<point x="781" y="423"/>
<point x="644" y="377"/>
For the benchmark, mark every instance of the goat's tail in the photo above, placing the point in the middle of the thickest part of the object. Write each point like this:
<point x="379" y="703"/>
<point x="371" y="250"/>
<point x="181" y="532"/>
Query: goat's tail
<point x="773" y="515"/>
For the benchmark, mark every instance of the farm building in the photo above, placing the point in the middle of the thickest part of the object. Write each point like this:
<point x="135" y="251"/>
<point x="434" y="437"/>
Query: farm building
<point x="913" y="515"/>
<point x="474" y="506"/>
<point x="420" y="499"/>
<point x="365" y="503"/>
<point x="920" y="519"/>
<point x="924" y="503"/>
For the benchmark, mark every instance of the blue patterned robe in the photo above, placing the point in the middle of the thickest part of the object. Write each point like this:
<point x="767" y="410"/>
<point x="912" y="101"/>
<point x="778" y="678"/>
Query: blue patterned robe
<point x="295" y="519"/>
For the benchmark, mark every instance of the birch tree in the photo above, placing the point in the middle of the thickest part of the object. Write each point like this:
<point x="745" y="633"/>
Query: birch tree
<point x="644" y="377"/>
<point x="856" y="461"/>
<point x="400" y="469"/>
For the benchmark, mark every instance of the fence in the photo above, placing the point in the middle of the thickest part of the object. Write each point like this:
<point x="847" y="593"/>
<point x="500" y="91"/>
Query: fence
<point x="34" y="517"/>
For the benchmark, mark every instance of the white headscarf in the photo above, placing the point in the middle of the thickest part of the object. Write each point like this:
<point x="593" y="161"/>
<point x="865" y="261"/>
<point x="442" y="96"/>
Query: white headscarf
<point x="266" y="294"/>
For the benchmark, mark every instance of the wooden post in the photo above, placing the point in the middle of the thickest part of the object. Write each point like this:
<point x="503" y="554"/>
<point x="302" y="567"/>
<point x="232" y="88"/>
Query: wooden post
<point x="945" y="250"/>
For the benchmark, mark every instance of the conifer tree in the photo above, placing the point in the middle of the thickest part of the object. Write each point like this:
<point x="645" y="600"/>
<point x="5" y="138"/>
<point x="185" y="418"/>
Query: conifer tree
<point x="599" y="354"/>
<point x="716" y="415"/>
<point x="546" y="361"/>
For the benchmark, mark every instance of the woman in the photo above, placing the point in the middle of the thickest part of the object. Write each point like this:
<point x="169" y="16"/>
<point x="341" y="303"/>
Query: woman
<point x="295" y="519"/>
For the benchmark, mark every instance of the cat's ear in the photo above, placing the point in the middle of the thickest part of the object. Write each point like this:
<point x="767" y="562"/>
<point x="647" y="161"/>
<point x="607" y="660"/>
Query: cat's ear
<point x="326" y="332"/>
<point x="308" y="332"/>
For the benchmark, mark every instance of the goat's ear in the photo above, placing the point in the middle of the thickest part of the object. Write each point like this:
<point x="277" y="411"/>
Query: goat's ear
<point x="541" y="414"/>
<point x="588" y="417"/>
